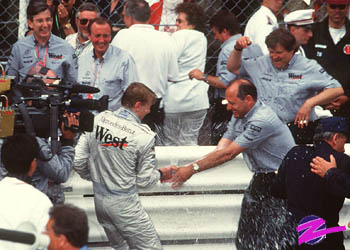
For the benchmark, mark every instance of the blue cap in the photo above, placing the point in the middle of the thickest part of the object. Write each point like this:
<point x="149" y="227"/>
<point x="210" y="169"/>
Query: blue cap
<point x="334" y="124"/>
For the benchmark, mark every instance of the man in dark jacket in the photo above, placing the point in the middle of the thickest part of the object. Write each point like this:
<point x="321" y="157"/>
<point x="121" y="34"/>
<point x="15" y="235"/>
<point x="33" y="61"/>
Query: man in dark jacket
<point x="330" y="47"/>
<point x="309" y="194"/>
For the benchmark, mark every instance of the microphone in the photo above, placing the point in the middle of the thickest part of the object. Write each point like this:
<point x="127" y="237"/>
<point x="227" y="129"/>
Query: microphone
<point x="79" y="88"/>
<point x="25" y="234"/>
<point x="17" y="236"/>
<point x="92" y="104"/>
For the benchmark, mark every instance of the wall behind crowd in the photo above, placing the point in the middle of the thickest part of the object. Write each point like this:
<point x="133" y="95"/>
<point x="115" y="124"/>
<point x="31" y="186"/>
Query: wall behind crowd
<point x="13" y="20"/>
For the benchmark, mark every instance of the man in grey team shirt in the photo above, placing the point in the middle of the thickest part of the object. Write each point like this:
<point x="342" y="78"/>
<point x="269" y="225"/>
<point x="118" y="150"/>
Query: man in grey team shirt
<point x="257" y="133"/>
<point x="42" y="50"/>
<point x="289" y="83"/>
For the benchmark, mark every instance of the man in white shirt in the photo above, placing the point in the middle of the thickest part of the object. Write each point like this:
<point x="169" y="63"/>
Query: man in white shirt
<point x="154" y="56"/>
<point x="263" y="22"/>
<point x="20" y="201"/>
<point x="80" y="40"/>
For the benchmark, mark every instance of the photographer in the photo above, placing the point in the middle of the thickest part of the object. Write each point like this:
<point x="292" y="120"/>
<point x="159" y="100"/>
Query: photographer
<point x="53" y="169"/>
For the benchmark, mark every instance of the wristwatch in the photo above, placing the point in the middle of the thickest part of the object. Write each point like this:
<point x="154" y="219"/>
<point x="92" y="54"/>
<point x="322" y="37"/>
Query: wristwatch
<point x="67" y="26"/>
<point x="195" y="167"/>
<point x="205" y="78"/>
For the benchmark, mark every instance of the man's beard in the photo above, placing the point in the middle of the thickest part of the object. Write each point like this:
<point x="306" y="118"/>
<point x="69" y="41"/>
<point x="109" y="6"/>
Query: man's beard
<point x="82" y="35"/>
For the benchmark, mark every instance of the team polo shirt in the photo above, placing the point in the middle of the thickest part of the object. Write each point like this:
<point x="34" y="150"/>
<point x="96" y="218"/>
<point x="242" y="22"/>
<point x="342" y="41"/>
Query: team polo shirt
<point x="222" y="72"/>
<point x="285" y="91"/>
<point x="266" y="139"/>
<point x="57" y="55"/>
<point x="112" y="75"/>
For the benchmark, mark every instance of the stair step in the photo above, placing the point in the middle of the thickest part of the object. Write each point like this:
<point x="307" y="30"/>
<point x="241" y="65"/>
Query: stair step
<point x="225" y="246"/>
<point x="175" y="217"/>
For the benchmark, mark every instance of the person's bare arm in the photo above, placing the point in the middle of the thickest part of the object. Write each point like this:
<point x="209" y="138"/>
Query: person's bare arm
<point x="325" y="97"/>
<point x="211" y="160"/>
<point x="235" y="58"/>
<point x="213" y="81"/>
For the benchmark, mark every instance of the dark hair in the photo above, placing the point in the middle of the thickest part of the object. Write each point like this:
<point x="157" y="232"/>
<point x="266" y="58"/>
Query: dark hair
<point x="195" y="15"/>
<point x="101" y="21"/>
<point x="137" y="92"/>
<point x="283" y="37"/>
<point x="138" y="10"/>
<point x="72" y="222"/>
<point x="87" y="7"/>
<point x="35" y="7"/>
<point x="225" y="20"/>
<point x="246" y="87"/>
<point x="18" y="152"/>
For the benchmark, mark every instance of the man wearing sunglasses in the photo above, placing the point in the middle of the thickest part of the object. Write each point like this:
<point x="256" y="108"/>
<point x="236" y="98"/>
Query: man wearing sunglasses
<point x="330" y="47"/>
<point x="80" y="40"/>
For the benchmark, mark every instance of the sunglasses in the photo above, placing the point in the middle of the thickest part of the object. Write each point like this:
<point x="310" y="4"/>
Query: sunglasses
<point x="84" y="21"/>
<point x="338" y="6"/>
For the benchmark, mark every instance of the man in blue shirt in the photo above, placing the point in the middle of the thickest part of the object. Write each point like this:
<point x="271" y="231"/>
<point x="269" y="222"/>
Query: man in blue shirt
<point x="106" y="67"/>
<point x="257" y="133"/>
<point x="42" y="51"/>
<point x="289" y="84"/>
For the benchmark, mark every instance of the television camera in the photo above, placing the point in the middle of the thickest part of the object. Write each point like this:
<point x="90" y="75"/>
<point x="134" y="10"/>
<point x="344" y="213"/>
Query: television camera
<point x="39" y="107"/>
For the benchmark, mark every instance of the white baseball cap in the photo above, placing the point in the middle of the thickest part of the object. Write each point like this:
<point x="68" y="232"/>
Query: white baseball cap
<point x="300" y="17"/>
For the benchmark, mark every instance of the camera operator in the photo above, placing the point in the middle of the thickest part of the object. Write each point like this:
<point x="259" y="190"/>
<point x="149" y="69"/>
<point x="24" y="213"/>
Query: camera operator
<point x="42" y="49"/>
<point x="53" y="169"/>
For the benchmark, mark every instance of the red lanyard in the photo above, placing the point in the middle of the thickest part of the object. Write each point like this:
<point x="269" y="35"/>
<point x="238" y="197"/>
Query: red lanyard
<point x="42" y="63"/>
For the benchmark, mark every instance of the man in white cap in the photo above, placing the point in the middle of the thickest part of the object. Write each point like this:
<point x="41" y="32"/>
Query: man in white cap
<point x="299" y="24"/>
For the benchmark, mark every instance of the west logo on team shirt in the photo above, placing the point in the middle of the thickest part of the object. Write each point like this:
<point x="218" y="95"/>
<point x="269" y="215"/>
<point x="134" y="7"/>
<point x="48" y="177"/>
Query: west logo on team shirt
<point x="295" y="76"/>
<point x="103" y="135"/>
<point x="54" y="56"/>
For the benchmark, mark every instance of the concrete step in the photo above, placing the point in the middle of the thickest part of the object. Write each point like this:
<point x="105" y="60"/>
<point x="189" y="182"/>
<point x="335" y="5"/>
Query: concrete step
<point x="187" y="217"/>
<point x="179" y="217"/>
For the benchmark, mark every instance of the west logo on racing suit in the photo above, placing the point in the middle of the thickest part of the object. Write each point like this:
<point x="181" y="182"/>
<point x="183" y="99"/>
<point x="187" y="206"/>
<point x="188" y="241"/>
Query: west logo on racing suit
<point x="103" y="135"/>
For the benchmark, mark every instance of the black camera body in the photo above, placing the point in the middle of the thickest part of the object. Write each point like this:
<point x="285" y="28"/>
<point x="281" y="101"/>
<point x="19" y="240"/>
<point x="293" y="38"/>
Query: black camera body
<point x="39" y="108"/>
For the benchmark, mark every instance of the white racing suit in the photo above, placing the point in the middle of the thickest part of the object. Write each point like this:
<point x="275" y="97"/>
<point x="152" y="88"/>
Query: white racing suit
<point x="118" y="156"/>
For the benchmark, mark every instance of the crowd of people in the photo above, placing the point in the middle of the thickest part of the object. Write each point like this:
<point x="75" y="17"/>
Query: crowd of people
<point x="269" y="85"/>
